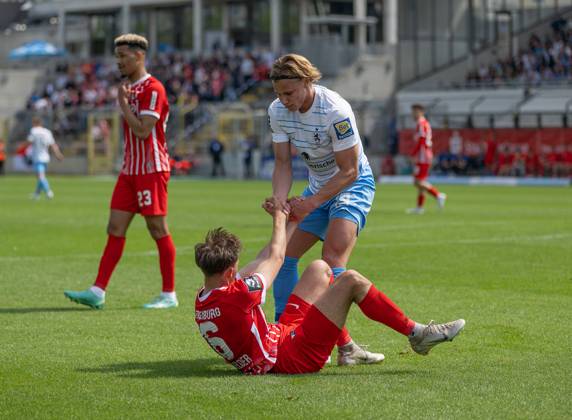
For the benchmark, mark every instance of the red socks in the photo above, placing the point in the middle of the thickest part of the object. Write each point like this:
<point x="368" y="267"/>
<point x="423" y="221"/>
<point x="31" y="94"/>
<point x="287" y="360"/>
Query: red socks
<point x="433" y="191"/>
<point x="167" y="252"/>
<point x="420" y="200"/>
<point x="109" y="259"/>
<point x="112" y="254"/>
<point x="375" y="305"/>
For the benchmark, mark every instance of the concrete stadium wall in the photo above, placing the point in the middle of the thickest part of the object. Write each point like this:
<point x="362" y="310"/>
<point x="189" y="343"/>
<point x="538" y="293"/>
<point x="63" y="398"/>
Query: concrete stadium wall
<point x="76" y="165"/>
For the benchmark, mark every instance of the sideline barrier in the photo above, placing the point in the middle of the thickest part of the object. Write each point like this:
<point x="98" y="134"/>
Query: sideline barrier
<point x="481" y="180"/>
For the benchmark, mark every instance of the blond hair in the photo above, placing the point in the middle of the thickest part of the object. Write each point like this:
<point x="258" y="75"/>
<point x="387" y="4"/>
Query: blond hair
<point x="294" y="66"/>
<point x="132" y="41"/>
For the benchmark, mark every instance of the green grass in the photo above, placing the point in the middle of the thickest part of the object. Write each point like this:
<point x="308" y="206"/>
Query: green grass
<point x="499" y="257"/>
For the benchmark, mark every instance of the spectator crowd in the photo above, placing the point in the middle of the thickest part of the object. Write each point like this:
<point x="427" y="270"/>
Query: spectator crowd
<point x="222" y="75"/>
<point x="548" y="59"/>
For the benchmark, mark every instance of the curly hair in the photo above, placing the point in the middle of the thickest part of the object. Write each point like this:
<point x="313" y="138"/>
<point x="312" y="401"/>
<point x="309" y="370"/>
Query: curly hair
<point x="218" y="252"/>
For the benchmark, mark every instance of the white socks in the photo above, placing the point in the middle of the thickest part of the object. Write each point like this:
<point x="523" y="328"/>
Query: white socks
<point x="100" y="293"/>
<point x="97" y="291"/>
<point x="417" y="329"/>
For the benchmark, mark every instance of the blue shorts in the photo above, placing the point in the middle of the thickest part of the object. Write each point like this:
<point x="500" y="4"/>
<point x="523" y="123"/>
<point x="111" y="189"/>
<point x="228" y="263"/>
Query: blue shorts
<point x="40" y="167"/>
<point x="353" y="204"/>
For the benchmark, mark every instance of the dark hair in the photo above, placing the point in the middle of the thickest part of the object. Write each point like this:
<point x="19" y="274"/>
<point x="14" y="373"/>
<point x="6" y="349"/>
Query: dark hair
<point x="418" y="106"/>
<point x="219" y="251"/>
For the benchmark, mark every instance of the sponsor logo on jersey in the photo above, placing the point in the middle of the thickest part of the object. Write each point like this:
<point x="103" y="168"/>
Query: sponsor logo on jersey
<point x="253" y="284"/>
<point x="153" y="103"/>
<point x="343" y="129"/>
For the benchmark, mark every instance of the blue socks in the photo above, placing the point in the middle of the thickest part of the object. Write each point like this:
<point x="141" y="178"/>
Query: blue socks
<point x="42" y="185"/>
<point x="285" y="282"/>
<point x="338" y="270"/>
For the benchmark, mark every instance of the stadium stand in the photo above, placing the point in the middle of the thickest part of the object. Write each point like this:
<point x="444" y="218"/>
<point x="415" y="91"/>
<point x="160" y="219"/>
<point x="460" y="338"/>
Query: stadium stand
<point x="93" y="83"/>
<point x="543" y="61"/>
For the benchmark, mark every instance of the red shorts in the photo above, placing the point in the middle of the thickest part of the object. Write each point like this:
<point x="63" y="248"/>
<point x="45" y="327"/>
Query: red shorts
<point x="421" y="171"/>
<point x="307" y="338"/>
<point x="145" y="194"/>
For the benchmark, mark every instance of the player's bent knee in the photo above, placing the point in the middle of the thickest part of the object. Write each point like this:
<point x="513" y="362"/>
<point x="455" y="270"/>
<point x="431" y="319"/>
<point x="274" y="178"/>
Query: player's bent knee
<point x="353" y="279"/>
<point x="320" y="271"/>
<point x="115" y="230"/>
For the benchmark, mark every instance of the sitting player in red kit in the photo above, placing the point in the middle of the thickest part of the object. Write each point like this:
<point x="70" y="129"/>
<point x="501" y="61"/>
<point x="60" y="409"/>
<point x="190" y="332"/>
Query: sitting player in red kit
<point x="423" y="158"/>
<point x="229" y="314"/>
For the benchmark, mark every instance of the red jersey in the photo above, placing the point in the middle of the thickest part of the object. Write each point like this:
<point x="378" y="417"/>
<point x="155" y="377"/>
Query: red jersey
<point x="146" y="156"/>
<point x="423" y="152"/>
<point x="232" y="321"/>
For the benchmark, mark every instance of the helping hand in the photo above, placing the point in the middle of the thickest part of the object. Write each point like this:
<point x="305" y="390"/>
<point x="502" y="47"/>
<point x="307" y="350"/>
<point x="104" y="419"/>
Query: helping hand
<point x="301" y="207"/>
<point x="272" y="205"/>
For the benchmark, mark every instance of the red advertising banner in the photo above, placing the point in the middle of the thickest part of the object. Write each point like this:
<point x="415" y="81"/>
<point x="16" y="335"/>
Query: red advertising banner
<point x="546" y="140"/>
<point x="544" y="152"/>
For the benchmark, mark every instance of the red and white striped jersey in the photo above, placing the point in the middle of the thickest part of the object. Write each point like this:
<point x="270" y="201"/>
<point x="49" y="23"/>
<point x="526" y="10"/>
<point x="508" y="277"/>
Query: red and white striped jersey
<point x="146" y="156"/>
<point x="423" y="152"/>
<point x="232" y="322"/>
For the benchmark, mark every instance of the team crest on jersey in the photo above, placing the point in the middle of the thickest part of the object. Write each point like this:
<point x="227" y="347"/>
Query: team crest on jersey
<point x="253" y="284"/>
<point x="343" y="129"/>
<point x="317" y="136"/>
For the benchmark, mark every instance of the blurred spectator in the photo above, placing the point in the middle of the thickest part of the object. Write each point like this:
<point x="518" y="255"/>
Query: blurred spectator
<point x="247" y="147"/>
<point x="2" y="156"/>
<point x="216" y="150"/>
<point x="388" y="165"/>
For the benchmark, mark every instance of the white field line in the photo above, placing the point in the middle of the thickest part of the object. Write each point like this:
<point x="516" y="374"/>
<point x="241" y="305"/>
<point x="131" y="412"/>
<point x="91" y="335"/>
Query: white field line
<point x="491" y="240"/>
<point x="186" y="250"/>
<point x="415" y="226"/>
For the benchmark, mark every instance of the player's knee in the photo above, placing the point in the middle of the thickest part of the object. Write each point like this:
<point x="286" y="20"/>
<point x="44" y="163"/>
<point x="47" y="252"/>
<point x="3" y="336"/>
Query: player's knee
<point x="332" y="253"/>
<point x="157" y="229"/>
<point x="353" y="279"/>
<point x="157" y="232"/>
<point x="321" y="272"/>
<point x="115" y="229"/>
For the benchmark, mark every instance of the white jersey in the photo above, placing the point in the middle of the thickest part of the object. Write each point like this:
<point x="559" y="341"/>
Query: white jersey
<point x="41" y="139"/>
<point x="328" y="126"/>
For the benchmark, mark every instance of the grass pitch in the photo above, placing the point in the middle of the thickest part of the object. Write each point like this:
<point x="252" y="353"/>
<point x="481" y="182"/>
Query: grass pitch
<point x="499" y="257"/>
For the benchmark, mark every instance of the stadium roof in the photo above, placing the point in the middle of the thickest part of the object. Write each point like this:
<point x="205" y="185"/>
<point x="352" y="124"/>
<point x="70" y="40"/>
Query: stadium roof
<point x="11" y="11"/>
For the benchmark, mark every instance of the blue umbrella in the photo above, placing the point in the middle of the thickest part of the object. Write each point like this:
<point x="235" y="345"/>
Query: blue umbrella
<point x="35" y="49"/>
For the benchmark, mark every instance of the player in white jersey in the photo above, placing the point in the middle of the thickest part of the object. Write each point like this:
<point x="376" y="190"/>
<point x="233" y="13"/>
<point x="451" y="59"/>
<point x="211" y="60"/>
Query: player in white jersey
<point x="42" y="141"/>
<point x="321" y="125"/>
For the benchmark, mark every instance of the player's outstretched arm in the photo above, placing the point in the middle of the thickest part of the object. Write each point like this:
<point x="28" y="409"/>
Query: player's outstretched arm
<point x="282" y="175"/>
<point x="271" y="257"/>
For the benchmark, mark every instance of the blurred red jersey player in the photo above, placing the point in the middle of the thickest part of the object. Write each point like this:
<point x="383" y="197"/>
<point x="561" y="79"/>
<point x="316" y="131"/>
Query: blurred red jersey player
<point x="142" y="185"/>
<point x="423" y="157"/>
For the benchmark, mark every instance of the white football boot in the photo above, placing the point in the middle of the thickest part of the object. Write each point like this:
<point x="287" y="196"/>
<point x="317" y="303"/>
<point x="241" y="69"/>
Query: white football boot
<point x="434" y="334"/>
<point x="352" y="354"/>
<point x="415" y="210"/>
